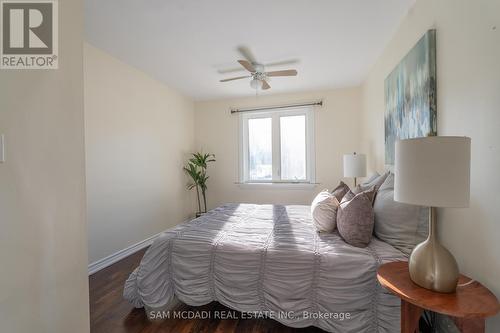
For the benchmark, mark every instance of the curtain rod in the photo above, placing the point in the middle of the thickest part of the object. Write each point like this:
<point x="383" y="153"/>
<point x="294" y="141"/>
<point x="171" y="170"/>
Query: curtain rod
<point x="319" y="103"/>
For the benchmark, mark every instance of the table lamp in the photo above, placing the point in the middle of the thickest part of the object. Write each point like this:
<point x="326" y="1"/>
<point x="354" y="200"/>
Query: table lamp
<point x="354" y="165"/>
<point x="435" y="172"/>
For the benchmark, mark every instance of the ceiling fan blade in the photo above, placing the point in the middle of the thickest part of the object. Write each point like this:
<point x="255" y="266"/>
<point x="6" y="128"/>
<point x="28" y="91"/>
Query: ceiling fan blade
<point x="282" y="63"/>
<point x="230" y="70"/>
<point x="265" y="85"/>
<point x="248" y="66"/>
<point x="235" y="78"/>
<point x="247" y="54"/>
<point x="287" y="72"/>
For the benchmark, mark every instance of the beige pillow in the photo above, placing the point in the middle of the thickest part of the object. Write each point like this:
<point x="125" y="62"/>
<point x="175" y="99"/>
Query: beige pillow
<point x="355" y="219"/>
<point x="324" y="211"/>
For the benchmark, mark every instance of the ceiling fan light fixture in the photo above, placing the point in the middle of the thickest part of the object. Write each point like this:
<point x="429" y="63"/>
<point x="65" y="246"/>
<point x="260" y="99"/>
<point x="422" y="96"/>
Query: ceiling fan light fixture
<point x="257" y="71"/>
<point x="256" y="84"/>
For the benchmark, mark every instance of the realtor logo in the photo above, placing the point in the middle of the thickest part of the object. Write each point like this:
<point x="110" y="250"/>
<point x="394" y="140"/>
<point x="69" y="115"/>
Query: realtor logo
<point x="29" y="34"/>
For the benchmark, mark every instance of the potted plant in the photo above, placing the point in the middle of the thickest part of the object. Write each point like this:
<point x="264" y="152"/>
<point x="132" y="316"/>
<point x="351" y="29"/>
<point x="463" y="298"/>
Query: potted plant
<point x="196" y="168"/>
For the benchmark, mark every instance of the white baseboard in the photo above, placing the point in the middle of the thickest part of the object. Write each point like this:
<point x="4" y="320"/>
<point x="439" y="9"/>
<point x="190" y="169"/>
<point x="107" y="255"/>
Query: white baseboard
<point x="117" y="256"/>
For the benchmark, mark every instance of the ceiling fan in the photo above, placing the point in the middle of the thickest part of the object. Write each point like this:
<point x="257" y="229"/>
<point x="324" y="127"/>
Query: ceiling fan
<point x="257" y="71"/>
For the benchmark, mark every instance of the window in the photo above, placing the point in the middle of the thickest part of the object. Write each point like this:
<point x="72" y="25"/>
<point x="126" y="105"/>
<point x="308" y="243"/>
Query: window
<point x="276" y="146"/>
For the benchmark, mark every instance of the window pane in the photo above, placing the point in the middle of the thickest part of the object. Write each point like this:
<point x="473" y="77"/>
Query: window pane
<point x="260" y="149"/>
<point x="293" y="147"/>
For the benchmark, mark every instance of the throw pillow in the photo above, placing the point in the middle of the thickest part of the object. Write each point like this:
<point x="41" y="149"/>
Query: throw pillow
<point x="355" y="219"/>
<point x="324" y="211"/>
<point x="340" y="190"/>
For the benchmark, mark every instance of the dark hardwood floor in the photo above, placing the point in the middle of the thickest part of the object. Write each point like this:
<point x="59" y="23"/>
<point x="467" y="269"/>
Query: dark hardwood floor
<point x="110" y="313"/>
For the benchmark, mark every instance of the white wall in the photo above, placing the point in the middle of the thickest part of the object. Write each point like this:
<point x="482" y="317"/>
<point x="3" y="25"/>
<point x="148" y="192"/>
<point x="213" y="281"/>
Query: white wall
<point x="468" y="85"/>
<point x="337" y="132"/>
<point x="43" y="245"/>
<point x="138" y="133"/>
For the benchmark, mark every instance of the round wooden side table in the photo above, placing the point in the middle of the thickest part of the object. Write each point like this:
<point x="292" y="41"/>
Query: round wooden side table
<point x="468" y="306"/>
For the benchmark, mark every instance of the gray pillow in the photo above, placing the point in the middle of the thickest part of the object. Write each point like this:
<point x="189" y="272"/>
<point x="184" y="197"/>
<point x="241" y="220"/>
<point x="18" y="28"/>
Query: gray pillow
<point x="374" y="182"/>
<point x="372" y="178"/>
<point x="340" y="190"/>
<point x="399" y="224"/>
<point x="350" y="194"/>
<point x="355" y="219"/>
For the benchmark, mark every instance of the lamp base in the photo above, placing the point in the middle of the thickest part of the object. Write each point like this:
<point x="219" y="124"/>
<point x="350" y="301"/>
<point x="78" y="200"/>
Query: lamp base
<point x="431" y="265"/>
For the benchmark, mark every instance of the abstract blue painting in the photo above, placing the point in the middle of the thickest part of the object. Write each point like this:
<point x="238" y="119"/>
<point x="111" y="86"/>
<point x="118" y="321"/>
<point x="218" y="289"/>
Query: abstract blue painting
<point x="410" y="96"/>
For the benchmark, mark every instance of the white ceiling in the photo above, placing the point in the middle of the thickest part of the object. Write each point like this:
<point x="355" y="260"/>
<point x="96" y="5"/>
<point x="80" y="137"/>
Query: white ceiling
<point x="184" y="43"/>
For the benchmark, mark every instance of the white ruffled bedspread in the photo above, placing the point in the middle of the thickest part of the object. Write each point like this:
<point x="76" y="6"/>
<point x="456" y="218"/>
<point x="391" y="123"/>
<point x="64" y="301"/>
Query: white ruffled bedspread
<point x="268" y="258"/>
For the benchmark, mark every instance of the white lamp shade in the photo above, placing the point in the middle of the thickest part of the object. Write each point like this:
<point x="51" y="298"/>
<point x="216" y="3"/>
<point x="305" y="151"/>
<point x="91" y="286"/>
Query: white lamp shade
<point x="433" y="171"/>
<point x="354" y="165"/>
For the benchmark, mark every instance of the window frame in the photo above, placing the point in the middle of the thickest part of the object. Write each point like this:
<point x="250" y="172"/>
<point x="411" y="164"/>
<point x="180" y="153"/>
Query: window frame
<point x="275" y="115"/>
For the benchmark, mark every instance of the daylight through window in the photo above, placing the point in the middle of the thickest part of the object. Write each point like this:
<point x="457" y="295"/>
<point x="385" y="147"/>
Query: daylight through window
<point x="277" y="146"/>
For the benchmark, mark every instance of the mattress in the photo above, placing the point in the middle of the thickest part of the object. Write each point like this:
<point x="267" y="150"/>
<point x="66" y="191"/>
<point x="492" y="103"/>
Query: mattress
<point x="268" y="259"/>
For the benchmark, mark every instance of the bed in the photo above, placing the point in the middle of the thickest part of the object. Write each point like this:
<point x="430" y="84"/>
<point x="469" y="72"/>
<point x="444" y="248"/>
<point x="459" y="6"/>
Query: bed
<point x="268" y="259"/>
